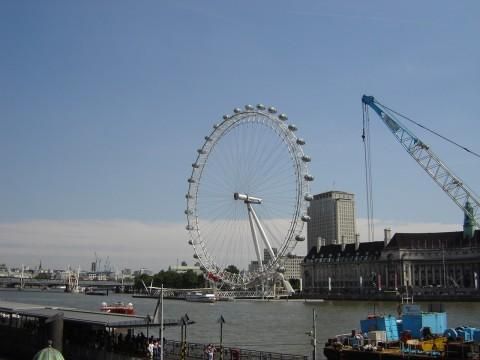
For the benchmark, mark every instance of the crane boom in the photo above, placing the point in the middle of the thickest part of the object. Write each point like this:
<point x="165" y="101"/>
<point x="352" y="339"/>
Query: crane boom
<point x="451" y="184"/>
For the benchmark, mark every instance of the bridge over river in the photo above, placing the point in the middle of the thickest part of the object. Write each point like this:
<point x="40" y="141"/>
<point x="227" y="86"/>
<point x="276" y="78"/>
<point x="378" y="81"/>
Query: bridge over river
<point x="53" y="283"/>
<point x="154" y="292"/>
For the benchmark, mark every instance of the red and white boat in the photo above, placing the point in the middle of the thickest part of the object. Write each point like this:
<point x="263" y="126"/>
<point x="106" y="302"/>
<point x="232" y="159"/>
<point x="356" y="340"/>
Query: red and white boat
<point x="118" y="308"/>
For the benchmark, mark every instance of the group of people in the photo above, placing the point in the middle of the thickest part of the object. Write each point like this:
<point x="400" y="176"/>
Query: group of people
<point x="209" y="351"/>
<point x="154" y="348"/>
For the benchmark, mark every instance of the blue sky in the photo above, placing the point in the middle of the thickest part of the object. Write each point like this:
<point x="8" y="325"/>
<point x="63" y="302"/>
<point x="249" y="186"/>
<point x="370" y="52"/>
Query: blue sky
<point x="103" y="104"/>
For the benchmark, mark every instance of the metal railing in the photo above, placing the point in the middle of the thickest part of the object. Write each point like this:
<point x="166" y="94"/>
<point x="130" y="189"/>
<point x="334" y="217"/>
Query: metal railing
<point x="173" y="350"/>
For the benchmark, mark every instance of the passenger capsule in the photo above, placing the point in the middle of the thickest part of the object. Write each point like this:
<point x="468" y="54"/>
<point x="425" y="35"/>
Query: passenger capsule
<point x="195" y="165"/>
<point x="201" y="151"/>
<point x="226" y="117"/>
<point x="308" y="197"/>
<point x="292" y="127"/>
<point x="188" y="212"/>
<point x="248" y="107"/>
<point x="195" y="256"/>
<point x="305" y="218"/>
<point x="189" y="227"/>
<point x="190" y="242"/>
<point x="237" y="110"/>
<point x="215" y="126"/>
<point x="306" y="158"/>
<point x="208" y="138"/>
<point x="281" y="269"/>
<point x="188" y="196"/>
<point x="300" y="142"/>
<point x="300" y="237"/>
<point x="191" y="180"/>
<point x="272" y="110"/>
<point x="308" y="177"/>
<point x="261" y="107"/>
<point x="283" y="117"/>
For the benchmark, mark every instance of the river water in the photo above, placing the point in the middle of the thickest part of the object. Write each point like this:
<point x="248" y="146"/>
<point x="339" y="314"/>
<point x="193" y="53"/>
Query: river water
<point x="276" y="326"/>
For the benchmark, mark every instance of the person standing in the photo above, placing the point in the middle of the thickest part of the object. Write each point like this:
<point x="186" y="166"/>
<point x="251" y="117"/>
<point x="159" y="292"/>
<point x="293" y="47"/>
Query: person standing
<point x="210" y="351"/>
<point x="150" y="349"/>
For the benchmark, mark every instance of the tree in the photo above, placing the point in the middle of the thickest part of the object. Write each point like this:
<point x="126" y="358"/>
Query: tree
<point x="184" y="263"/>
<point x="43" y="276"/>
<point x="189" y="279"/>
<point x="295" y="283"/>
<point x="232" y="269"/>
<point x="171" y="279"/>
<point x="138" y="284"/>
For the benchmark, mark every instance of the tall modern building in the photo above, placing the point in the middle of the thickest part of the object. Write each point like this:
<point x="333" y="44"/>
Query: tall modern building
<point x="266" y="255"/>
<point x="332" y="219"/>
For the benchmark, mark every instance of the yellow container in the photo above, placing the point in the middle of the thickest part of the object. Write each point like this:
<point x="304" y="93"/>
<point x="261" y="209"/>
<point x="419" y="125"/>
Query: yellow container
<point x="437" y="344"/>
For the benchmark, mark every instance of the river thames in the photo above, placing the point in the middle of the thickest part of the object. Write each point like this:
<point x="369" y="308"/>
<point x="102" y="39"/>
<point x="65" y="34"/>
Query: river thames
<point x="275" y="326"/>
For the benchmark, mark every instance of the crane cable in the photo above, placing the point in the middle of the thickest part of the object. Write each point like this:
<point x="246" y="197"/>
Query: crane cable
<point x="431" y="131"/>
<point x="368" y="171"/>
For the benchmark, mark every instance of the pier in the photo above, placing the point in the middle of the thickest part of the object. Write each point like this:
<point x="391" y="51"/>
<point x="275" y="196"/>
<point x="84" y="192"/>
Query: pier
<point x="81" y="334"/>
<point x="220" y="294"/>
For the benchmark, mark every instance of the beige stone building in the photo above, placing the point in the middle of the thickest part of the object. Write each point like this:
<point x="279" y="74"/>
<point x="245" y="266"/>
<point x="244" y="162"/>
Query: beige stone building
<point x="407" y="260"/>
<point x="332" y="219"/>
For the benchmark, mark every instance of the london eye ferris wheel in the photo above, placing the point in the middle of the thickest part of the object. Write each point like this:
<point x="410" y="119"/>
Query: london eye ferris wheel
<point x="247" y="196"/>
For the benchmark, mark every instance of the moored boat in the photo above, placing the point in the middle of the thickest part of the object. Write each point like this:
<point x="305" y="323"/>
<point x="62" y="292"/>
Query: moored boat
<point x="96" y="291"/>
<point x="118" y="308"/>
<point x="414" y="335"/>
<point x="200" y="297"/>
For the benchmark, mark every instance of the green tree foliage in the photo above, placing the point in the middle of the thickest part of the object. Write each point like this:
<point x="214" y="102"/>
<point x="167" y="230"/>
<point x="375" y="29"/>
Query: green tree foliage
<point x="295" y="283"/>
<point x="171" y="279"/>
<point x="232" y="269"/>
<point x="43" y="276"/>
<point x="138" y="281"/>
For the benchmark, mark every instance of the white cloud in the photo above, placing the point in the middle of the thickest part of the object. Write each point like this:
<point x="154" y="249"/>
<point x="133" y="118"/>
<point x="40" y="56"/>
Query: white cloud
<point x="129" y="243"/>
<point x="126" y="243"/>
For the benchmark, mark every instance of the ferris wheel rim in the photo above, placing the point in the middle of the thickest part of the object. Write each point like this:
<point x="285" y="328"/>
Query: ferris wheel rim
<point x="278" y="124"/>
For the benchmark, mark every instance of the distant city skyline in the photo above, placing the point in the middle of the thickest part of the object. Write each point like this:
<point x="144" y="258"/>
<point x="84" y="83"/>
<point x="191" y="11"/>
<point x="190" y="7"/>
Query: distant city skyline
<point x="104" y="104"/>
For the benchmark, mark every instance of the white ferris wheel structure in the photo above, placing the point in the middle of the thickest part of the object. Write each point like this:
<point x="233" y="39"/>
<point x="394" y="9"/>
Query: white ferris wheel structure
<point x="247" y="196"/>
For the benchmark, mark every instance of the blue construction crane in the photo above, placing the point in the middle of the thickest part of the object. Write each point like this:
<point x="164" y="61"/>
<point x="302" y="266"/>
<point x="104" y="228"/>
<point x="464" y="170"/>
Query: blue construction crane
<point x="450" y="183"/>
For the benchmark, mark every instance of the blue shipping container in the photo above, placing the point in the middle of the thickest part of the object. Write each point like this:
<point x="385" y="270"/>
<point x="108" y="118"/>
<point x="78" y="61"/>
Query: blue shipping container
<point x="437" y="322"/>
<point x="382" y="323"/>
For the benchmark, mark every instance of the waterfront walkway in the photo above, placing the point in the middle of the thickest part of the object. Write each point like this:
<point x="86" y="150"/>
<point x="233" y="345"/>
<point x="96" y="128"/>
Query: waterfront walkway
<point x="96" y="335"/>
<point x="195" y="351"/>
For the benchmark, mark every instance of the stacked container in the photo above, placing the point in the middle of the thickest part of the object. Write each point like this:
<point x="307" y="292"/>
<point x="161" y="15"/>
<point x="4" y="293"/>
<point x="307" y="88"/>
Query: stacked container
<point x="388" y="324"/>
<point x="436" y="321"/>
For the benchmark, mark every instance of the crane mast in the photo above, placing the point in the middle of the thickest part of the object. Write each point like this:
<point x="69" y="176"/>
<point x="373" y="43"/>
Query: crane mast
<point x="451" y="184"/>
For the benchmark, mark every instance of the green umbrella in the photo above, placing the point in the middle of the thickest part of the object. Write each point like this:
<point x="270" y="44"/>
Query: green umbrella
<point x="49" y="353"/>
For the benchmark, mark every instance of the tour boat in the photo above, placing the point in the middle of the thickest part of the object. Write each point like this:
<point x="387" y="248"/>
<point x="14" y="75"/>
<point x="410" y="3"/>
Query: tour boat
<point x="96" y="291"/>
<point x="200" y="297"/>
<point x="118" y="308"/>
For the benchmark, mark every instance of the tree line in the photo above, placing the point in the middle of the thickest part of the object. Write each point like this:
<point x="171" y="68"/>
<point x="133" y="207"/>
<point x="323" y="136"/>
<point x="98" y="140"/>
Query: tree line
<point x="170" y="279"/>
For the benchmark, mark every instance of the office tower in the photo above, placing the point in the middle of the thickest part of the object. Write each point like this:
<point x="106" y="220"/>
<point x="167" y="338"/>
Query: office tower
<point x="332" y="219"/>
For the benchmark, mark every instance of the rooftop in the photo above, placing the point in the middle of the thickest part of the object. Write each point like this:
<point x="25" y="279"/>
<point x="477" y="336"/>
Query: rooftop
<point x="75" y="315"/>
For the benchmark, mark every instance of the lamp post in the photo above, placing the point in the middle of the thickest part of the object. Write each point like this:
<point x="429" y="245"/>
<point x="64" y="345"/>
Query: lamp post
<point x="182" y="339"/>
<point x="185" y="320"/>
<point x="221" y="320"/>
<point x="313" y="335"/>
<point x="162" y="344"/>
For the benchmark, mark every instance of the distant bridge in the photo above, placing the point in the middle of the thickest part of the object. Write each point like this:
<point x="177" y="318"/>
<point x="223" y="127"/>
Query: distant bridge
<point x="154" y="292"/>
<point x="105" y="284"/>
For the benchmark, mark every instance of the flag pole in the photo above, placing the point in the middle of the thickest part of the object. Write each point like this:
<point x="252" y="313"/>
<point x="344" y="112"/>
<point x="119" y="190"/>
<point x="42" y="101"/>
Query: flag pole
<point x="161" y="324"/>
